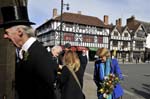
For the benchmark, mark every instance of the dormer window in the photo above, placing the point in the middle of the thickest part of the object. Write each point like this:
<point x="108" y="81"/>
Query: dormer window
<point x="140" y="33"/>
<point x="126" y="35"/>
<point x="115" y="33"/>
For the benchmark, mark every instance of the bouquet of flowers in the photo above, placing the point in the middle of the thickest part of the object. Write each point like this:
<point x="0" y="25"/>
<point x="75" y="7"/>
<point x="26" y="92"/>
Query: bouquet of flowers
<point x="108" y="85"/>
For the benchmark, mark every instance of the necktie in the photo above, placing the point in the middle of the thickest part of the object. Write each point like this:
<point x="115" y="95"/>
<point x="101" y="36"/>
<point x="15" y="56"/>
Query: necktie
<point x="21" y="53"/>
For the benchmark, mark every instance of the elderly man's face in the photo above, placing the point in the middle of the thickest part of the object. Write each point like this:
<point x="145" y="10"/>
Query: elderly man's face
<point x="56" y="53"/>
<point x="13" y="35"/>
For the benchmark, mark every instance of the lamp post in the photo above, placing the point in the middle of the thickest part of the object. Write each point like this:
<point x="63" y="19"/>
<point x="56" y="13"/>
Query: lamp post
<point x="61" y="18"/>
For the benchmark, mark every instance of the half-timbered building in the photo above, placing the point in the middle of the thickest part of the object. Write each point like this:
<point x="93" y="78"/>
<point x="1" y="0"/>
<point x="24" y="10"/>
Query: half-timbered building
<point x="120" y="41"/>
<point x="147" y="50"/>
<point x="138" y="35"/>
<point x="81" y="31"/>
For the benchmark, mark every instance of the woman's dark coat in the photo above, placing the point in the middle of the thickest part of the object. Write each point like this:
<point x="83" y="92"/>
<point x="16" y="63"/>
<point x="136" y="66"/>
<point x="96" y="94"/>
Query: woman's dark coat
<point x="69" y="87"/>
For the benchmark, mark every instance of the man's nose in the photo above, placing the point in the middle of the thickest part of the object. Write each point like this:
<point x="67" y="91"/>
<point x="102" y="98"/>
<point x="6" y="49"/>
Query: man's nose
<point x="5" y="36"/>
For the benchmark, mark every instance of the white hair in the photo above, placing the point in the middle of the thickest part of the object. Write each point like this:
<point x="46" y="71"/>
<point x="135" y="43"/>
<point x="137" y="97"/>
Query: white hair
<point x="27" y="29"/>
<point x="58" y="48"/>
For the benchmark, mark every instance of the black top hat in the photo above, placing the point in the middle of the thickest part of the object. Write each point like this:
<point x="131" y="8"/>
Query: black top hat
<point x="15" y="15"/>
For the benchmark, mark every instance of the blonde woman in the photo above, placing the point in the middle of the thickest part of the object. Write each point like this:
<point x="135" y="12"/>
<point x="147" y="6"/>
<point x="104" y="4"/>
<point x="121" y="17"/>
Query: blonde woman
<point x="105" y="66"/>
<point x="70" y="87"/>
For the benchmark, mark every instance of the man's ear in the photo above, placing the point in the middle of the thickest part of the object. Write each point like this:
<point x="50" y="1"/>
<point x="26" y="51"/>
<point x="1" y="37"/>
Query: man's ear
<point x="20" y="32"/>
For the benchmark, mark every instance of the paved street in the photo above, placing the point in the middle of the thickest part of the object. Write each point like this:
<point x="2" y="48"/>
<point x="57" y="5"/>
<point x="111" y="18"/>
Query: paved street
<point x="136" y="82"/>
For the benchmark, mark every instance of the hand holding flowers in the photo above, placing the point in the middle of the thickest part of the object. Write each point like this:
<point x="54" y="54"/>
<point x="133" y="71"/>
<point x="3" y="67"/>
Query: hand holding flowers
<point x="107" y="86"/>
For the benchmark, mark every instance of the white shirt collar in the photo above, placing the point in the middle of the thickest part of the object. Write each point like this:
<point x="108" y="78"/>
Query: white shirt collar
<point x="28" y="43"/>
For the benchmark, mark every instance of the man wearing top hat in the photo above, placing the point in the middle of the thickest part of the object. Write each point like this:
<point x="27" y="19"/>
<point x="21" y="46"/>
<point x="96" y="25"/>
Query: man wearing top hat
<point x="35" y="72"/>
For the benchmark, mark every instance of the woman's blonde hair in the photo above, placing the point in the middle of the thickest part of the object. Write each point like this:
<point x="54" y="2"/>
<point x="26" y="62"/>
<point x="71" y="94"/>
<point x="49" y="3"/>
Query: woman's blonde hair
<point x="103" y="52"/>
<point x="71" y="60"/>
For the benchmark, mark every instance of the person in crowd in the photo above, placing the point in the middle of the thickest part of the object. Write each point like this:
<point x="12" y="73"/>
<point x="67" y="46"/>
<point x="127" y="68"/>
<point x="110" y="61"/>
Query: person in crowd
<point x="67" y="47"/>
<point x="35" y="70"/>
<point x="114" y="54"/>
<point x="105" y="66"/>
<point x="70" y="79"/>
<point x="83" y="60"/>
<point x="55" y="52"/>
<point x="83" y="63"/>
<point x="136" y="59"/>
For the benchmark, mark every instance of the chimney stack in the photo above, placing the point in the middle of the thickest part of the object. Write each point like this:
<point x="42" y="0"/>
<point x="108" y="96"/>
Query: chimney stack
<point x="54" y="12"/>
<point x="105" y="19"/>
<point x="119" y="22"/>
<point x="131" y="20"/>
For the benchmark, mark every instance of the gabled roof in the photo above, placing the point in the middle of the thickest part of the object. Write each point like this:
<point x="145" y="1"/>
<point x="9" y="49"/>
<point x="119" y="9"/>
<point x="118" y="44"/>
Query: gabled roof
<point x="133" y="25"/>
<point x="126" y="28"/>
<point x="81" y="19"/>
<point x="120" y="29"/>
<point x="146" y="25"/>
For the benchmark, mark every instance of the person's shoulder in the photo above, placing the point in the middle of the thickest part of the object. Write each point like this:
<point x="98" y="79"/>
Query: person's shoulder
<point x="64" y="68"/>
<point x="114" y="59"/>
<point x="62" y="53"/>
<point x="97" y="61"/>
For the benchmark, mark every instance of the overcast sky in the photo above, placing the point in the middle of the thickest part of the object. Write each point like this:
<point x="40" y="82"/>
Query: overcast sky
<point x="41" y="10"/>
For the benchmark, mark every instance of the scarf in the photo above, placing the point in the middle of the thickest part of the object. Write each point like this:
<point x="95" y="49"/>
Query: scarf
<point x="105" y="70"/>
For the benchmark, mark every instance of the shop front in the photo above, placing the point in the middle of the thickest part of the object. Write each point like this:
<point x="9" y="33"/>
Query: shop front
<point x="92" y="53"/>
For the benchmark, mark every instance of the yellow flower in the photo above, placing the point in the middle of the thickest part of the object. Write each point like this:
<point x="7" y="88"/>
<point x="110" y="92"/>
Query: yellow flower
<point x="117" y="78"/>
<point x="110" y="82"/>
<point x="101" y="90"/>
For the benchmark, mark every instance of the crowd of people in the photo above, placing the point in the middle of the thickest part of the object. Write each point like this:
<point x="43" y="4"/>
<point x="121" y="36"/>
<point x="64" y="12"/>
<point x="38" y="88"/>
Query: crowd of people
<point x="40" y="74"/>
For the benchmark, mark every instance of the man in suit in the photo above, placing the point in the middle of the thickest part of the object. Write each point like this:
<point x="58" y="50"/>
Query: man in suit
<point x="83" y="60"/>
<point x="54" y="53"/>
<point x="35" y="72"/>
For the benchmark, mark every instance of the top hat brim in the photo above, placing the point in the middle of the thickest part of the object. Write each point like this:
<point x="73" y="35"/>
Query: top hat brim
<point x="16" y="22"/>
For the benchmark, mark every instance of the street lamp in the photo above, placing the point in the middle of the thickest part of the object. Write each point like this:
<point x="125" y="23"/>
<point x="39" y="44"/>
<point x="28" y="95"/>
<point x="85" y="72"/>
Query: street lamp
<point x="62" y="4"/>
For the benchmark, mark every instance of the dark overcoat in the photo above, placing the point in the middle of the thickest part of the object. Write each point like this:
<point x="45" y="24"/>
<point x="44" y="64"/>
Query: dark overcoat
<point x="83" y="61"/>
<point x="35" y="75"/>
